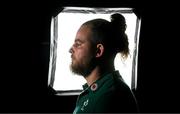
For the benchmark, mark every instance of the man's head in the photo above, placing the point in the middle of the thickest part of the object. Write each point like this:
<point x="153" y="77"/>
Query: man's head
<point x="96" y="44"/>
<point x="83" y="52"/>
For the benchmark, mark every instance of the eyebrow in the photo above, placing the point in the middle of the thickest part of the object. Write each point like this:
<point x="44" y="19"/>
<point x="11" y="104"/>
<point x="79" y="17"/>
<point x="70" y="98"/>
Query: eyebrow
<point x="78" y="40"/>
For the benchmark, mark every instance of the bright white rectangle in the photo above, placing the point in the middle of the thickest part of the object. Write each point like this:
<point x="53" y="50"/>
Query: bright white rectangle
<point x="68" y="24"/>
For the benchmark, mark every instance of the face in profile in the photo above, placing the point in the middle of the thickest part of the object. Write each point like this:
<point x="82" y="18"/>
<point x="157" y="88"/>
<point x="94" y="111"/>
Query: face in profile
<point x="82" y="52"/>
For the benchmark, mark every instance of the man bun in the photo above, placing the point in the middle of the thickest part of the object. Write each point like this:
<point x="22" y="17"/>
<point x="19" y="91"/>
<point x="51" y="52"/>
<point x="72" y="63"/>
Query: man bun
<point x="118" y="24"/>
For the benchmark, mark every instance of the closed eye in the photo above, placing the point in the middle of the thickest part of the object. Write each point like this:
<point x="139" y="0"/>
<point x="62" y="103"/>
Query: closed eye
<point x="77" y="43"/>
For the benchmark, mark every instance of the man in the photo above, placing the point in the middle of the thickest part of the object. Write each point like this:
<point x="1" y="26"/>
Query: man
<point x="96" y="44"/>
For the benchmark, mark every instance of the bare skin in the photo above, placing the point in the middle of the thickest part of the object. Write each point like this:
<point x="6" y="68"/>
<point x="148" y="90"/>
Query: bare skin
<point x="82" y="53"/>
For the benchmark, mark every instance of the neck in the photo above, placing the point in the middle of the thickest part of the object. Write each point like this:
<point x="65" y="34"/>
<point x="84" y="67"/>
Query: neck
<point x="96" y="74"/>
<point x="93" y="76"/>
<point x="103" y="67"/>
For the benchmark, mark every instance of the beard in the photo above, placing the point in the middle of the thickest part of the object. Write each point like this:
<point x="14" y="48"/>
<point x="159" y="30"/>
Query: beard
<point x="84" y="67"/>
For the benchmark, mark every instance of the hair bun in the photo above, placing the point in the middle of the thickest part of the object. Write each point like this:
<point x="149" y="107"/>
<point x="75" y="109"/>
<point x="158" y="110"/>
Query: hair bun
<point x="121" y="43"/>
<point x="118" y="21"/>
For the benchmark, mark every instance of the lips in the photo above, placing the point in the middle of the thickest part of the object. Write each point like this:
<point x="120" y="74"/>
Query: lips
<point x="72" y="57"/>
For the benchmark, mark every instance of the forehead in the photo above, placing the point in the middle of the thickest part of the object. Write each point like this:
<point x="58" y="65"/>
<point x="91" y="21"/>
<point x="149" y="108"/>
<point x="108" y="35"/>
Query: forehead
<point x="84" y="33"/>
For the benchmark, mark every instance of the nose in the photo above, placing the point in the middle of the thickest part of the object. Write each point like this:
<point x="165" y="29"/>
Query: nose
<point x="71" y="50"/>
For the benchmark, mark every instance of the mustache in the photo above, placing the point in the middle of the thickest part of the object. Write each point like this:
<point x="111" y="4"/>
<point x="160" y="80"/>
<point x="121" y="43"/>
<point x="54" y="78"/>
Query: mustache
<point x="72" y="56"/>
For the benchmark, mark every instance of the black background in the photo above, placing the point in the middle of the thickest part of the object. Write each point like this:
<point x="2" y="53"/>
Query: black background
<point x="25" y="27"/>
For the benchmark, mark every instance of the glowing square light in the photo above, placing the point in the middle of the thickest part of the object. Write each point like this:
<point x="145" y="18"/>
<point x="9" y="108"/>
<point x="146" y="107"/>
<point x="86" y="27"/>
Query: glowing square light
<point x="63" y="30"/>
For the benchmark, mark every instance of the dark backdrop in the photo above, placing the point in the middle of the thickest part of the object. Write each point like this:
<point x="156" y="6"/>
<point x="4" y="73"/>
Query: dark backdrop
<point x="25" y="55"/>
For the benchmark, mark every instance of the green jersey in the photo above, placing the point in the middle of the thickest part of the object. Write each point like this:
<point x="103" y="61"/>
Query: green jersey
<point x="108" y="94"/>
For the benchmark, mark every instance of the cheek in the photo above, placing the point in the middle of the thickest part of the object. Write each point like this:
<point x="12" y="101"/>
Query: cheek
<point x="84" y="55"/>
<point x="77" y="56"/>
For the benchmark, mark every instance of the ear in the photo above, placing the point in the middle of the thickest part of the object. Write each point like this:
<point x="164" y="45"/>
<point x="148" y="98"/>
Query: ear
<point x="100" y="50"/>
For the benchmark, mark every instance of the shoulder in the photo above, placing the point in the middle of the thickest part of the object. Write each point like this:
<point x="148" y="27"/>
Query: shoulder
<point x="115" y="101"/>
<point x="114" y="85"/>
<point x="115" y="96"/>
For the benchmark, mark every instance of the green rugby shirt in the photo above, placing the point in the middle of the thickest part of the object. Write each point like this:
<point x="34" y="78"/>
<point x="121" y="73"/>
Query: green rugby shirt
<point x="108" y="94"/>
